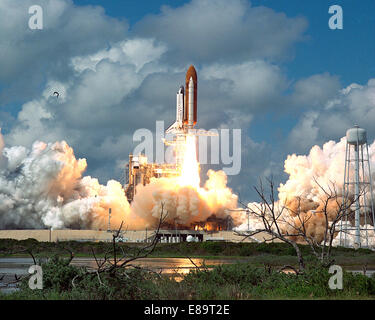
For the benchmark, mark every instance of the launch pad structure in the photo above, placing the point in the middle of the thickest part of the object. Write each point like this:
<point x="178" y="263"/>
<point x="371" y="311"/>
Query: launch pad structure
<point x="139" y="170"/>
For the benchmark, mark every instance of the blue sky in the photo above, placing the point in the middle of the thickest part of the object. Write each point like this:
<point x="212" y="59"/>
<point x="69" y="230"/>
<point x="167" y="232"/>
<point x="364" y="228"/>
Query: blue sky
<point x="272" y="68"/>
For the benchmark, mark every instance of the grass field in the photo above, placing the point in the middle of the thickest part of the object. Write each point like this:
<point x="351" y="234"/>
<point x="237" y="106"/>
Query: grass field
<point x="255" y="253"/>
<point x="257" y="277"/>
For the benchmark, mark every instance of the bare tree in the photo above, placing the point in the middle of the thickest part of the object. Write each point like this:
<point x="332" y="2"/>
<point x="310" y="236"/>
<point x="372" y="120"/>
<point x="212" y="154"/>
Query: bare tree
<point x="269" y="214"/>
<point x="341" y="210"/>
<point x="114" y="263"/>
<point x="290" y="225"/>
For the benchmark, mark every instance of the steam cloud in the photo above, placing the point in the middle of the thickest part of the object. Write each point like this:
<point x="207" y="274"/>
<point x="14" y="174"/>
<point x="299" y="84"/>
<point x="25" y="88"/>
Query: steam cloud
<point x="45" y="187"/>
<point x="185" y="204"/>
<point x="324" y="166"/>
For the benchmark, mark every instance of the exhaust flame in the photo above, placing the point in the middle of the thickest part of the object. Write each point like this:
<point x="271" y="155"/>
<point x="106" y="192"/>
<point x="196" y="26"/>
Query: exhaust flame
<point x="190" y="167"/>
<point x="182" y="197"/>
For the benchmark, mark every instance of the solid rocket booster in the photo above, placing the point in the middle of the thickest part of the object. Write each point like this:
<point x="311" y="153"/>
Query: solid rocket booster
<point x="180" y="107"/>
<point x="191" y="93"/>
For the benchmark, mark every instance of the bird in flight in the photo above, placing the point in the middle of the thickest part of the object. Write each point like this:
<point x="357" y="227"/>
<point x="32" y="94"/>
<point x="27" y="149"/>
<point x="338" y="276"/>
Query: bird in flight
<point x="56" y="93"/>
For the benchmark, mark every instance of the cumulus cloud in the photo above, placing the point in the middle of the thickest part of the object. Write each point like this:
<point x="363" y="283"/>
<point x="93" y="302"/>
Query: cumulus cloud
<point x="315" y="90"/>
<point x="138" y="52"/>
<point x="337" y="112"/>
<point x="223" y="30"/>
<point x="305" y="134"/>
<point x="29" y="56"/>
<point x="94" y="109"/>
<point x="251" y="85"/>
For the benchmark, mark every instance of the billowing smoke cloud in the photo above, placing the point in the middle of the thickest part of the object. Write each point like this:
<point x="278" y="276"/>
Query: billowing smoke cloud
<point x="184" y="204"/>
<point x="309" y="177"/>
<point x="45" y="188"/>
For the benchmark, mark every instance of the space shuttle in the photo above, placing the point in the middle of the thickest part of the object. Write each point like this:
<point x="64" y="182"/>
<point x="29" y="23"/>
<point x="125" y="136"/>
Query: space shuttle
<point x="186" y="105"/>
<point x="186" y="116"/>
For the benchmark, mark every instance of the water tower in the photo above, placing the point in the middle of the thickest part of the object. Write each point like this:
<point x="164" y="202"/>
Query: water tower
<point x="357" y="186"/>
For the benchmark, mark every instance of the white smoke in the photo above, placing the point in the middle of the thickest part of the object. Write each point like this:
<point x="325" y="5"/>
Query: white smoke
<point x="323" y="166"/>
<point x="348" y="238"/>
<point x="184" y="204"/>
<point x="45" y="188"/>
